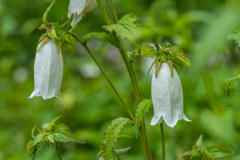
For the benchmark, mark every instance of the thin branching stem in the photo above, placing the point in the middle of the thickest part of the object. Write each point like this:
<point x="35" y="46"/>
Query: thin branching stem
<point x="114" y="12"/>
<point x="109" y="12"/>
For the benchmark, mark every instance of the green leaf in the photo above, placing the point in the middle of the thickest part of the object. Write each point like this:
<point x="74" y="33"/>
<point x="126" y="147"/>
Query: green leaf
<point x="125" y="27"/>
<point x="141" y="110"/>
<point x="63" y="134"/>
<point x="123" y="150"/>
<point x="103" y="36"/>
<point x="148" y="51"/>
<point x="199" y="141"/>
<point x="132" y="54"/>
<point x="48" y="126"/>
<point x="47" y="11"/>
<point x="235" y="37"/>
<point x="229" y="82"/>
<point x="69" y="40"/>
<point x="111" y="135"/>
<point x="218" y="152"/>
<point x="167" y="45"/>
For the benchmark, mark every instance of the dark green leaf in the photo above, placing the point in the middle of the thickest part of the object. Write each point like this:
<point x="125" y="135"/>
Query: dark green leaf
<point x="126" y="27"/>
<point x="103" y="36"/>
<point x="218" y="152"/>
<point x="148" y="51"/>
<point x="63" y="134"/>
<point x="141" y="110"/>
<point x="229" y="82"/>
<point x="111" y="135"/>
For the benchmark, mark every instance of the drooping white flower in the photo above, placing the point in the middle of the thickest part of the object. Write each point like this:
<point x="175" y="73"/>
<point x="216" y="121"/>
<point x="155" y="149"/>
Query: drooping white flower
<point x="167" y="97"/>
<point x="48" y="71"/>
<point x="80" y="8"/>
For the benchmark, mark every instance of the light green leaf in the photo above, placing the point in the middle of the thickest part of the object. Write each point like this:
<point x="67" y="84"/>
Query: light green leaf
<point x="132" y="55"/>
<point x="218" y="152"/>
<point x="148" y="51"/>
<point x="167" y="45"/>
<point x="111" y="135"/>
<point x="229" y="82"/>
<point x="141" y="110"/>
<point x="47" y="11"/>
<point x="123" y="150"/>
<point x="199" y="141"/>
<point x="69" y="40"/>
<point x="103" y="36"/>
<point x="48" y="126"/>
<point x="125" y="27"/>
<point x="63" y="134"/>
<point x="235" y="37"/>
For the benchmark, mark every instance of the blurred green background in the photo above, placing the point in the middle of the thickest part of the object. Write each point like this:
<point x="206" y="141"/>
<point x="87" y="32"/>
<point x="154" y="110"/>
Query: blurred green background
<point x="89" y="104"/>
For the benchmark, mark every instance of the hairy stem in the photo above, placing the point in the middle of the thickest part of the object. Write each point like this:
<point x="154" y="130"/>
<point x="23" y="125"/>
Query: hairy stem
<point x="103" y="11"/>
<point x="115" y="153"/>
<point x="163" y="142"/>
<point x="114" y="12"/>
<point x="59" y="155"/>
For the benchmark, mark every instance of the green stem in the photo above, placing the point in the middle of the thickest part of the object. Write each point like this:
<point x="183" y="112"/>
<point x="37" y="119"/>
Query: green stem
<point x="103" y="11"/>
<point x="131" y="73"/>
<point x="103" y="72"/>
<point x="114" y="12"/>
<point x="109" y="12"/>
<point x="59" y="155"/>
<point x="115" y="153"/>
<point x="163" y="142"/>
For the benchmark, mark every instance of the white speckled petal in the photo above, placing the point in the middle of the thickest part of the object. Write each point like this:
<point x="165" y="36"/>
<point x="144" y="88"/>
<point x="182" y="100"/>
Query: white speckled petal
<point x="167" y="97"/>
<point x="48" y="71"/>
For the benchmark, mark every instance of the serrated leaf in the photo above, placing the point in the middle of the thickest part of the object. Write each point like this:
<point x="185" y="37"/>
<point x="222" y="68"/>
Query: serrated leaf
<point x="218" y="152"/>
<point x="167" y="45"/>
<point x="148" y="51"/>
<point x="44" y="18"/>
<point x="199" y="141"/>
<point x="229" y="82"/>
<point x="63" y="134"/>
<point x="126" y="27"/>
<point x="69" y="40"/>
<point x="111" y="135"/>
<point x="103" y="36"/>
<point x="141" y="110"/>
<point x="132" y="55"/>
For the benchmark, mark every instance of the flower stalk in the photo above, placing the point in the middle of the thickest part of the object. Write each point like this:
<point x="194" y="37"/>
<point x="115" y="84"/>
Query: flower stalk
<point x="58" y="151"/>
<point x="163" y="141"/>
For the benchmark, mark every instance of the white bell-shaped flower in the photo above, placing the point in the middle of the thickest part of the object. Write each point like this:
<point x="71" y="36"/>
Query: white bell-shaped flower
<point x="48" y="71"/>
<point x="167" y="97"/>
<point x="80" y="8"/>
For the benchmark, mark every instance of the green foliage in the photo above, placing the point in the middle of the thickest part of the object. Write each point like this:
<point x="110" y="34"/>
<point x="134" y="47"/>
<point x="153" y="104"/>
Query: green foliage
<point x="229" y="82"/>
<point x="126" y="27"/>
<point x="206" y="153"/>
<point x="141" y="110"/>
<point x="45" y="15"/>
<point x="148" y="51"/>
<point x="167" y="45"/>
<point x="61" y="133"/>
<point x="103" y="36"/>
<point x="235" y="37"/>
<point x="111" y="135"/>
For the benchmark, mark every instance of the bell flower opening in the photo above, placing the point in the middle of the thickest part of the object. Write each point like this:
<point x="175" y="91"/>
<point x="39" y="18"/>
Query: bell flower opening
<point x="48" y="71"/>
<point x="167" y="97"/>
<point x="80" y="8"/>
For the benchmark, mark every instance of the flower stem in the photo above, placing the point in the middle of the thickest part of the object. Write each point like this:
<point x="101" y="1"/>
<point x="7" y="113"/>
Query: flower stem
<point x="109" y="12"/>
<point x="59" y="155"/>
<point x="163" y="142"/>
<point x="114" y="12"/>
<point x="103" y="72"/>
<point x="132" y="76"/>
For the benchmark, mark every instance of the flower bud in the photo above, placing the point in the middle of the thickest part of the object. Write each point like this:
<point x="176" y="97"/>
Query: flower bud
<point x="48" y="71"/>
<point x="167" y="97"/>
